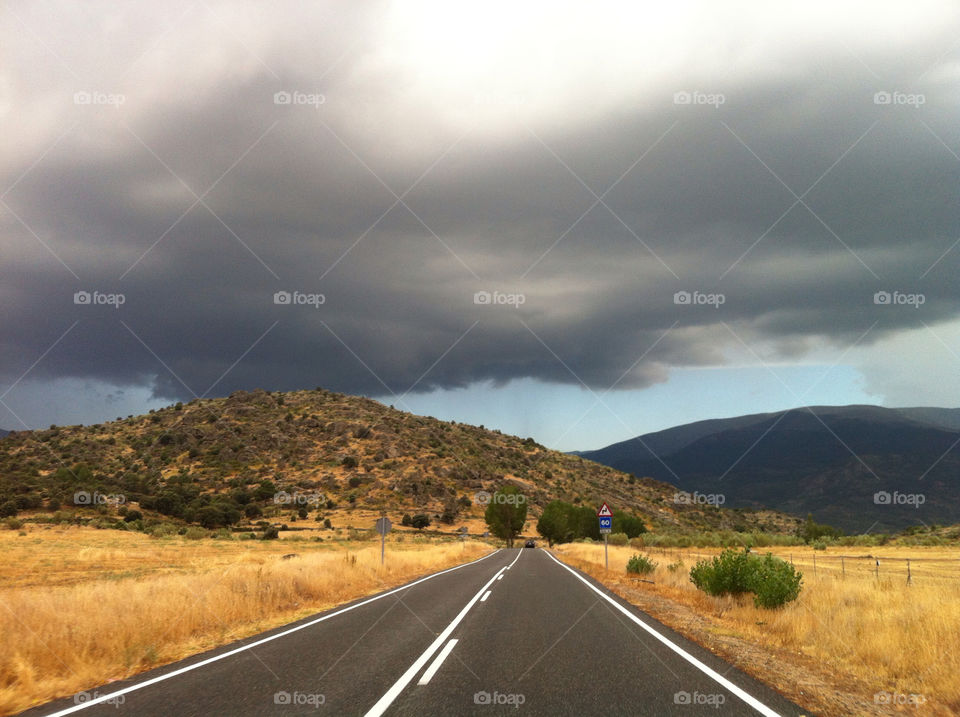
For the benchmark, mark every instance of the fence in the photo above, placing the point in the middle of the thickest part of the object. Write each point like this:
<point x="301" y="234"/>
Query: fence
<point x="822" y="565"/>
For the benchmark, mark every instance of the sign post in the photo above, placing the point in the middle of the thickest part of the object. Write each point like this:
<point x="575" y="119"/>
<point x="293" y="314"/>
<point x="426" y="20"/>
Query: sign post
<point x="383" y="527"/>
<point x="606" y="526"/>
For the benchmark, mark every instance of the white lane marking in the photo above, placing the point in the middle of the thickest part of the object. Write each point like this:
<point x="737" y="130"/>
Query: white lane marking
<point x="390" y="695"/>
<point x="738" y="691"/>
<point x="215" y="658"/>
<point x="486" y="595"/>
<point x="432" y="670"/>
<point x="500" y="578"/>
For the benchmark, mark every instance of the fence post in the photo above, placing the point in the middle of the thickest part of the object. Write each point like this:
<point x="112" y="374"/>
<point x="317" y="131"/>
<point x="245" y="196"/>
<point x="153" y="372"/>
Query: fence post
<point x="843" y="568"/>
<point x="814" y="564"/>
<point x="876" y="570"/>
<point x="908" y="571"/>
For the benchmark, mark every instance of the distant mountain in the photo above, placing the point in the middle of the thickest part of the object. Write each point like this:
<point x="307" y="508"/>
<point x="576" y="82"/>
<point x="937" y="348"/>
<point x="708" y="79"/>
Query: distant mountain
<point x="3" y="433"/>
<point x="354" y="452"/>
<point x="839" y="463"/>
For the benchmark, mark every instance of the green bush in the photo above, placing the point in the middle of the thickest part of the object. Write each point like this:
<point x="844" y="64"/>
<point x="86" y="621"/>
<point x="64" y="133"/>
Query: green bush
<point x="618" y="539"/>
<point x="726" y="574"/>
<point x="640" y="565"/>
<point x="195" y="533"/>
<point x="773" y="581"/>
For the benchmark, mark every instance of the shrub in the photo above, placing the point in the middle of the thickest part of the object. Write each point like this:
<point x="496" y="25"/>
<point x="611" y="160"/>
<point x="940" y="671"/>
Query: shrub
<point x="14" y="523"/>
<point x="618" y="539"/>
<point x="350" y="462"/>
<point x="270" y="533"/>
<point x="640" y="565"/>
<point x="819" y="545"/>
<point x="420" y="521"/>
<point x="195" y="533"/>
<point x="773" y="581"/>
<point x="726" y="574"/>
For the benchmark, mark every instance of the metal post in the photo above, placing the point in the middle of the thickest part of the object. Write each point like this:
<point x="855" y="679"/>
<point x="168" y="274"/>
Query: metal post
<point x="383" y="540"/>
<point x="606" y="560"/>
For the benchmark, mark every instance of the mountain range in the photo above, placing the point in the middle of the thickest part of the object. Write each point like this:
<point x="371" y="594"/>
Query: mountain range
<point x="861" y="468"/>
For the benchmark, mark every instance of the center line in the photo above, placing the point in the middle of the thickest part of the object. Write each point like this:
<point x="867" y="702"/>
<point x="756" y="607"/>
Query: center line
<point x="432" y="670"/>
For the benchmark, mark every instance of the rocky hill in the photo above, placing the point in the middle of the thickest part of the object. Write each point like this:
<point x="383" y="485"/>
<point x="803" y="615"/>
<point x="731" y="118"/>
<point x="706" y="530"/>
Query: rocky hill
<point x="260" y="456"/>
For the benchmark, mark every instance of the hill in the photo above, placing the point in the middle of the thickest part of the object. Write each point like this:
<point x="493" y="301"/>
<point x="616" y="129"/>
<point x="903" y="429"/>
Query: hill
<point x="259" y="456"/>
<point x="860" y="468"/>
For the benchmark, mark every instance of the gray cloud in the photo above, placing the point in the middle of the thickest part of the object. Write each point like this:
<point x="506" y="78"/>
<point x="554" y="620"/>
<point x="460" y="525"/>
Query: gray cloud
<point x="300" y="199"/>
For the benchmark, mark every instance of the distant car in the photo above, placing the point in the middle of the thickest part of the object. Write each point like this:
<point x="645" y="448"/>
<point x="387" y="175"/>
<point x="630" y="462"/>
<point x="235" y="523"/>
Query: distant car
<point x="530" y="544"/>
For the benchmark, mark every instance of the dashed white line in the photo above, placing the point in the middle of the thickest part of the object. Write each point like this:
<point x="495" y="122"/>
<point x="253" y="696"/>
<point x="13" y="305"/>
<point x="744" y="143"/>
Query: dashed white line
<point x="486" y="595"/>
<point x="390" y="695"/>
<point x="501" y="577"/>
<point x="432" y="670"/>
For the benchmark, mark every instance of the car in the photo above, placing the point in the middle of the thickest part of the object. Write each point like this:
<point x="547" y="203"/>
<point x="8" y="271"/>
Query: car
<point x="530" y="544"/>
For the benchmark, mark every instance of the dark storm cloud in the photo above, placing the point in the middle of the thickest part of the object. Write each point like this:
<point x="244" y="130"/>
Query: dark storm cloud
<point x="299" y="196"/>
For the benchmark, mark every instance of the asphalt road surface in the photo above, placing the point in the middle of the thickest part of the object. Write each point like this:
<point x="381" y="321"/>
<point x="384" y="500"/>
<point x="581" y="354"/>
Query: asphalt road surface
<point x="514" y="633"/>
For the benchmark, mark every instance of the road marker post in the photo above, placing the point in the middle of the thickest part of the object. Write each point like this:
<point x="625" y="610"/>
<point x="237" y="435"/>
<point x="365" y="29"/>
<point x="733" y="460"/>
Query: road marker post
<point x="606" y="526"/>
<point x="383" y="527"/>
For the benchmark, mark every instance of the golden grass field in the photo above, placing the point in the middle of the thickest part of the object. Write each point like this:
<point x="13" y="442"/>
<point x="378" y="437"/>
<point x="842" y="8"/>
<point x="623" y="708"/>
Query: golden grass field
<point x="80" y="607"/>
<point x="890" y="636"/>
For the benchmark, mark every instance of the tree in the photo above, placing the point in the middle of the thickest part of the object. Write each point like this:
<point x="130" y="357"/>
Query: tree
<point x="629" y="524"/>
<point x="554" y="524"/>
<point x="420" y="521"/>
<point x="506" y="514"/>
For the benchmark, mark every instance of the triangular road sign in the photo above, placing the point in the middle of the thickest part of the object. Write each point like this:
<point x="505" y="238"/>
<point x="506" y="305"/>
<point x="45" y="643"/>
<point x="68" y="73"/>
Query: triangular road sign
<point x="604" y="512"/>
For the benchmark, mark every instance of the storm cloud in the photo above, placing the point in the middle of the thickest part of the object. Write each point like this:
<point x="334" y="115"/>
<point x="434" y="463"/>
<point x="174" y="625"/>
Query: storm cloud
<point x="380" y="198"/>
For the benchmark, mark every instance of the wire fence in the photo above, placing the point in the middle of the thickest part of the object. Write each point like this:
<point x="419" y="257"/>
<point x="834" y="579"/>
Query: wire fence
<point x="910" y="570"/>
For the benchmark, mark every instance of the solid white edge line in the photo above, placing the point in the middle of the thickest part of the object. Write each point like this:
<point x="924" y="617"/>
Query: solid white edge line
<point x="390" y="695"/>
<point x="486" y="595"/>
<point x="435" y="665"/>
<point x="717" y="677"/>
<point x="216" y="658"/>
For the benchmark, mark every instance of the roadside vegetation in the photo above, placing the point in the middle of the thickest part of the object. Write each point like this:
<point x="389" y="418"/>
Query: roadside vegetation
<point x="83" y="607"/>
<point x="847" y="630"/>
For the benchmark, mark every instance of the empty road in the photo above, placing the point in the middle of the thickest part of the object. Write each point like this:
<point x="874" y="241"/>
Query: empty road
<point x="516" y="632"/>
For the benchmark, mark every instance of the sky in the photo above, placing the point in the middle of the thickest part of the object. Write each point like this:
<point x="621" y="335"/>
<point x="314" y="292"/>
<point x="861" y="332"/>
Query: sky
<point x="577" y="222"/>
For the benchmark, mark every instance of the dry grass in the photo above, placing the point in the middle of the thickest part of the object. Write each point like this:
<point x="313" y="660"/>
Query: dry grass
<point x="80" y="607"/>
<point x="893" y="637"/>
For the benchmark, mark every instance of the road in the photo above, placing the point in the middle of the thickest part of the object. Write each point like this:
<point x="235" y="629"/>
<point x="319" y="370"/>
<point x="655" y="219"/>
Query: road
<point x="514" y="633"/>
